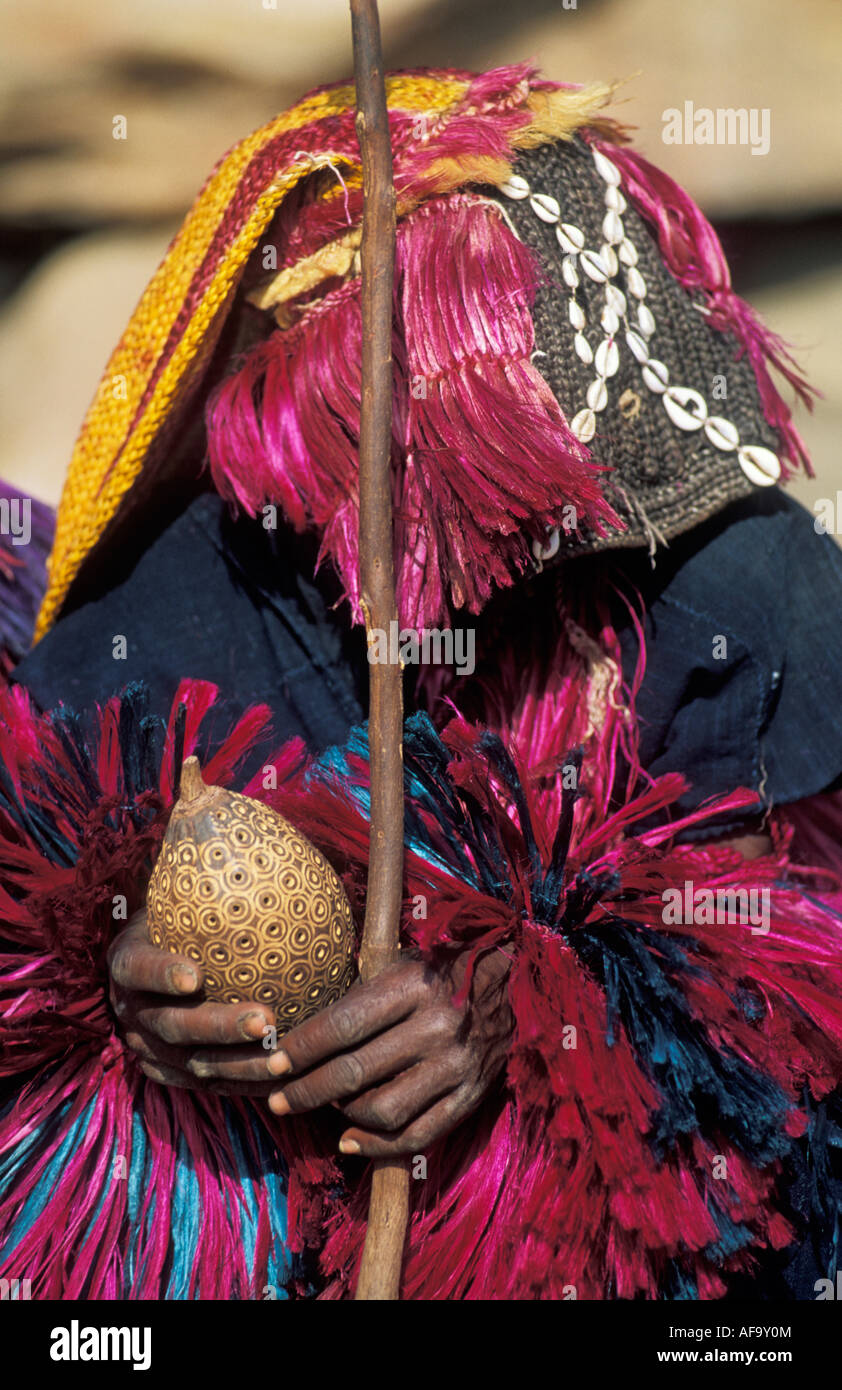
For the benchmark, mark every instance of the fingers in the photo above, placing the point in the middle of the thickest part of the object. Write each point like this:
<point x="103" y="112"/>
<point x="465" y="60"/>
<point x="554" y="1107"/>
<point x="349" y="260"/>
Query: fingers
<point x="166" y="1076"/>
<point x="362" y="1012"/>
<point x="246" y="1063"/>
<point x="231" y="1064"/>
<point x="245" y="1074"/>
<point x="399" y="1102"/>
<point x="148" y="1048"/>
<point x="393" y="1051"/>
<point x="191" y="1025"/>
<point x="138" y="965"/>
<point x="141" y="974"/>
<point x="172" y="1076"/>
<point x="416" y="1136"/>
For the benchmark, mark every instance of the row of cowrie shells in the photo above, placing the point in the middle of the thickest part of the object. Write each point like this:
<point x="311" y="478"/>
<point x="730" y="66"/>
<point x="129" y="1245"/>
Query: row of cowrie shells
<point x="685" y="407"/>
<point x="606" y="359"/>
<point x="603" y="268"/>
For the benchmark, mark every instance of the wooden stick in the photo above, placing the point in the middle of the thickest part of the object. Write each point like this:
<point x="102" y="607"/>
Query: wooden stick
<point x="388" y="1208"/>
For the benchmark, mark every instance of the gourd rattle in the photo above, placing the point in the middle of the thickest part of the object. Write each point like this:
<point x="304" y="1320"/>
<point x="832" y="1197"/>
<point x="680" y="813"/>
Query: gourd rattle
<point x="242" y="892"/>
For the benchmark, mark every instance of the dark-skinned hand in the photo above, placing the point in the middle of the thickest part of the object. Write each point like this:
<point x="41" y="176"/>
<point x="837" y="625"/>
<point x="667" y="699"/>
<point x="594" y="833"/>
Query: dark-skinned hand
<point x="395" y="1056"/>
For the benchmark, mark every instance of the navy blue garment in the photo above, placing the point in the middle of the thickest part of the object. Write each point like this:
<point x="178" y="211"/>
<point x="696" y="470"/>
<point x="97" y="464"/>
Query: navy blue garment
<point x="229" y="602"/>
<point x="219" y="600"/>
<point x="760" y="708"/>
<point x="743" y="669"/>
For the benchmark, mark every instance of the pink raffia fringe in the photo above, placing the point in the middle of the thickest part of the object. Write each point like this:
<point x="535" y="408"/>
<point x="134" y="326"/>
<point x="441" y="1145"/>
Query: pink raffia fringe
<point x="484" y="462"/>
<point x="120" y="1188"/>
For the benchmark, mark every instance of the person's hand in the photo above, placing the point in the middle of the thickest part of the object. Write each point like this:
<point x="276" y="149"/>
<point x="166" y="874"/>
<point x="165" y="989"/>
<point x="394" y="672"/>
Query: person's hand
<point x="395" y="1056"/>
<point x="400" y="1062"/>
<point x="155" y="996"/>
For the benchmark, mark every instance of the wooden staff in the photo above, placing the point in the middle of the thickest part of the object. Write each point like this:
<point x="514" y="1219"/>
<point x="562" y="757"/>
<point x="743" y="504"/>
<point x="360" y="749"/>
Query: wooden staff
<point x="388" y="1208"/>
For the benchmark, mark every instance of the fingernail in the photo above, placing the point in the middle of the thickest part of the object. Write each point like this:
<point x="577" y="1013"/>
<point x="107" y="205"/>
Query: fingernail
<point x="253" y="1024"/>
<point x="185" y="980"/>
<point x="278" y="1103"/>
<point x="349" y="1146"/>
<point x="279" y="1063"/>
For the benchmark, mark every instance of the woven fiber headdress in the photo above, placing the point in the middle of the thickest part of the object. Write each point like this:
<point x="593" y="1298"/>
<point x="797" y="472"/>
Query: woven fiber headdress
<point x="447" y="128"/>
<point x="502" y="450"/>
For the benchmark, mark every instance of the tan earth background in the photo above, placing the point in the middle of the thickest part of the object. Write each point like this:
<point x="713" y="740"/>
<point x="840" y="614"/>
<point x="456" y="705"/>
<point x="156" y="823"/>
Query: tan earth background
<point x="85" y="218"/>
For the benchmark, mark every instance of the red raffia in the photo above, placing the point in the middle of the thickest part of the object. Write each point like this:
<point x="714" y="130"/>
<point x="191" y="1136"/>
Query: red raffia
<point x="554" y="1186"/>
<point x="59" y="1036"/>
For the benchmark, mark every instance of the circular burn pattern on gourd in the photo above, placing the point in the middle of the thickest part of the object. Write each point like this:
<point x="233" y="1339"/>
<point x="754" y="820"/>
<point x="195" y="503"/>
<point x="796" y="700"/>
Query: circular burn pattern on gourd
<point x="241" y="891"/>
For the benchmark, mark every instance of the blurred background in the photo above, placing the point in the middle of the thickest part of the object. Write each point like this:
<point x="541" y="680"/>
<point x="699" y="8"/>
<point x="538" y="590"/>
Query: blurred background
<point x="85" y="218"/>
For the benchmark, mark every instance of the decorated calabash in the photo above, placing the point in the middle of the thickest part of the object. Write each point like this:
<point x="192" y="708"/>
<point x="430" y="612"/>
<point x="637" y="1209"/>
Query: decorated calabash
<point x="242" y="892"/>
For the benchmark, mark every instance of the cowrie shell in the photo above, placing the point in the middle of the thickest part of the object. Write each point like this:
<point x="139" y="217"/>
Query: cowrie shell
<point x="607" y="357"/>
<point x="636" y="283"/>
<point x="608" y="256"/>
<point x="610" y="321"/>
<point x="597" y="396"/>
<point x="545" y="207"/>
<point x="614" y="199"/>
<point x="594" y="266"/>
<point x="685" y="407"/>
<point x="627" y="252"/>
<point x="638" y="346"/>
<point x="655" y="375"/>
<point x="583" y="425"/>
<point x="760" y="466"/>
<point x="576" y="314"/>
<point x="569" y="272"/>
<point x="612" y="226"/>
<point x="583" y="348"/>
<point x="515" y="187"/>
<point x="606" y="170"/>
<point x="645" y="320"/>
<point x="570" y="238"/>
<point x="721" y="433"/>
<point x="615" y="299"/>
<point x="546" y="552"/>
